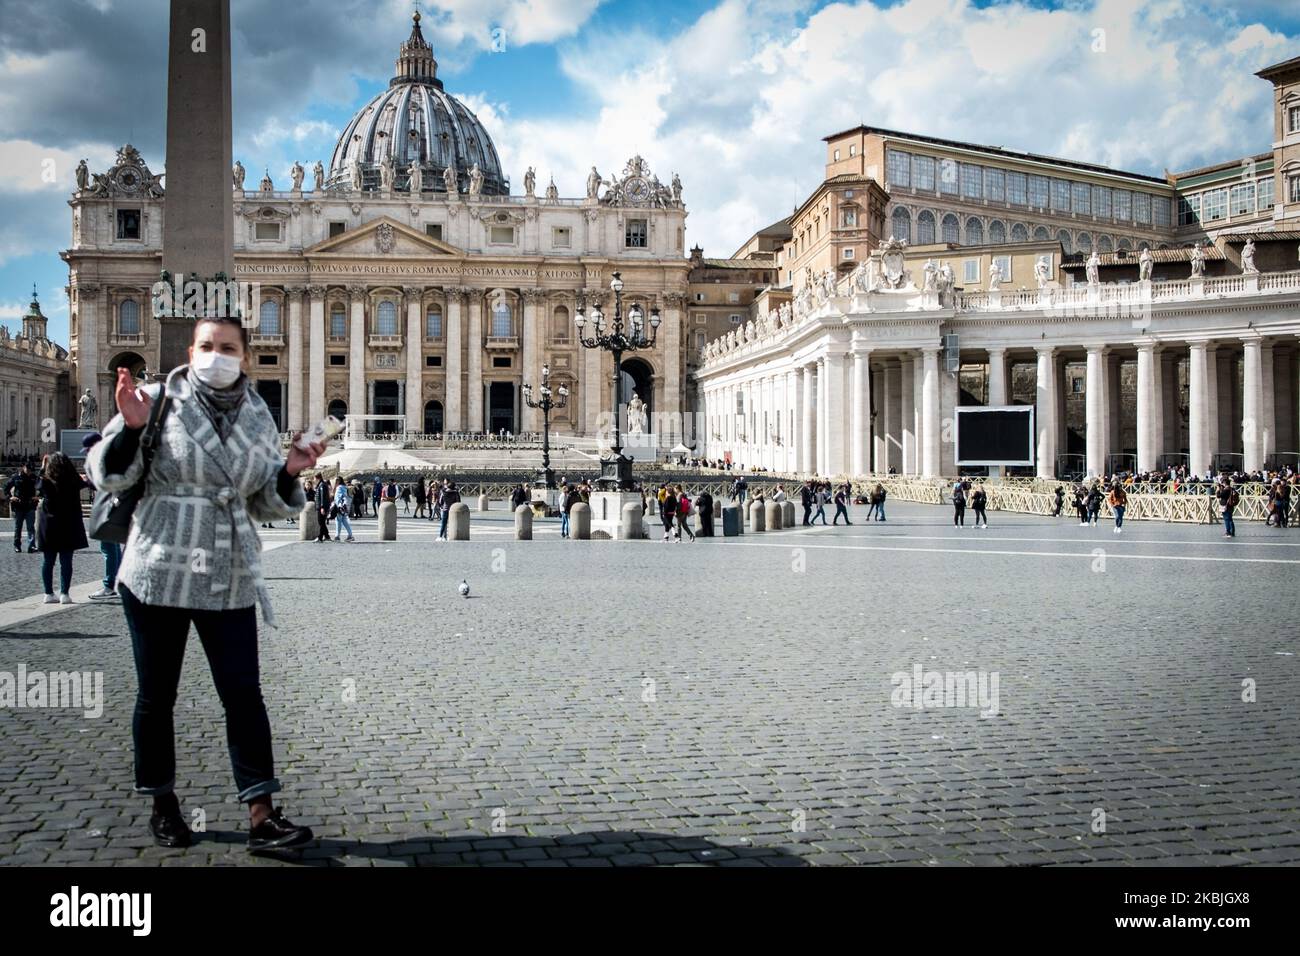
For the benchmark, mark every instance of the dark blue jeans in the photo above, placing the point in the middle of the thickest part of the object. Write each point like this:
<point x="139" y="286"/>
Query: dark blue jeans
<point x="65" y="570"/>
<point x="1229" y="526"/>
<point x="112" y="552"/>
<point x="442" y="526"/>
<point x="158" y="636"/>
<point x="23" y="516"/>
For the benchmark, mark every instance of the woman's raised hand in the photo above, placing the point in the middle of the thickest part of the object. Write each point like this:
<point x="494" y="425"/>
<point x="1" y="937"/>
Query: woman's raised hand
<point x="134" y="407"/>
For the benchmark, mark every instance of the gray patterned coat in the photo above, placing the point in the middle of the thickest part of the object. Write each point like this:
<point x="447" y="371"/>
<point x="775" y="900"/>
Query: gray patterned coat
<point x="193" y="542"/>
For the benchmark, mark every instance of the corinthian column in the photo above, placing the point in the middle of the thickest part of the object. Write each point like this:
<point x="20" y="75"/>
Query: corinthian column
<point x="295" y="418"/>
<point x="414" y="359"/>
<point x="454" y="420"/>
<point x="1045" y="413"/>
<point x="316" y="354"/>
<point x="357" y="352"/>
<point x="532" y="358"/>
<point x="1146" y="408"/>
<point x="930" y="431"/>
<point x="1198" y="409"/>
<point x="861" y="414"/>
<point x="474" y="343"/>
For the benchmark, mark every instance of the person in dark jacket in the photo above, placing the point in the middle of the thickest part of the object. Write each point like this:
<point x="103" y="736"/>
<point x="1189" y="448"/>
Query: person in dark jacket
<point x="841" y="500"/>
<point x="1094" y="500"/>
<point x="806" y="499"/>
<point x="324" y="499"/>
<point x="1060" y="502"/>
<point x="519" y="496"/>
<point x="449" y="497"/>
<point x="979" y="501"/>
<point x="420" y="497"/>
<point x="376" y="492"/>
<point x="570" y="498"/>
<point x="21" y="492"/>
<point x="958" y="505"/>
<point x="704" y="505"/>
<point x="59" y="527"/>
<point x="668" y="512"/>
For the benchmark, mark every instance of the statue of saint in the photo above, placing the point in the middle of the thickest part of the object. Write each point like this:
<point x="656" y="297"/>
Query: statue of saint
<point x="449" y="180"/>
<point x="475" y="180"/>
<point x="1145" y="263"/>
<point x="677" y="188"/>
<point x="387" y="173"/>
<point x="415" y="172"/>
<point x="238" y="174"/>
<point x="358" y="181"/>
<point x="1093" y="268"/>
<point x="89" y="410"/>
<point x="1042" y="272"/>
<point x="995" y="277"/>
<point x="318" y="175"/>
<point x="297" y="174"/>
<point x="530" y="182"/>
<point x="1198" y="261"/>
<point x="931" y="276"/>
<point x="636" y="416"/>
<point x="83" y="175"/>
<point x="1248" y="257"/>
<point x="593" y="183"/>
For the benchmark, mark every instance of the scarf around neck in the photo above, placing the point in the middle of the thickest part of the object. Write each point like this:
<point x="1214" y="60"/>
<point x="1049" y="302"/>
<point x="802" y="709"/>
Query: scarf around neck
<point x="221" y="404"/>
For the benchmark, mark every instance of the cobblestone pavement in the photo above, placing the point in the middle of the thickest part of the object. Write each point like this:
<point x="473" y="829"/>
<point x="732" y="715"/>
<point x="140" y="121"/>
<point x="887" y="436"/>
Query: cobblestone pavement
<point x="729" y="701"/>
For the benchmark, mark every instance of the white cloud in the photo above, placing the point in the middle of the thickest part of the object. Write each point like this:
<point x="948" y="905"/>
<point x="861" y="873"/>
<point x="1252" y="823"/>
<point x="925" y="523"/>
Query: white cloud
<point x="738" y="102"/>
<point x="31" y="167"/>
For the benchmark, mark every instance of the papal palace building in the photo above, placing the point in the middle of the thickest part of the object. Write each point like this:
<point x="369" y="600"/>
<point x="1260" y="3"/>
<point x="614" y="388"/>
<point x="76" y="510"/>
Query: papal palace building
<point x="1150" y="321"/>
<point x="404" y="278"/>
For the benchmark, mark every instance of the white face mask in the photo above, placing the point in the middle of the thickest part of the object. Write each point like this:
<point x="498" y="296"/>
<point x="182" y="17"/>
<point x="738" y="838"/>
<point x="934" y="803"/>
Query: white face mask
<point x="216" y="370"/>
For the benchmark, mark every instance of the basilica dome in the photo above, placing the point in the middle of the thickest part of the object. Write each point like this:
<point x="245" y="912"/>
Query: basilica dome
<point x="415" y="119"/>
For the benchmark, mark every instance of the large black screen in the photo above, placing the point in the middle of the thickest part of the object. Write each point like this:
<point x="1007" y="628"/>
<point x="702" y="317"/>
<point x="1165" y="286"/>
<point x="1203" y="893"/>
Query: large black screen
<point x="995" y="436"/>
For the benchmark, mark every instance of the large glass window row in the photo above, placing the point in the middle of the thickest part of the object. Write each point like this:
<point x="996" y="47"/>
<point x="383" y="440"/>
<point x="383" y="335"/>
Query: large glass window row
<point x="898" y="167"/>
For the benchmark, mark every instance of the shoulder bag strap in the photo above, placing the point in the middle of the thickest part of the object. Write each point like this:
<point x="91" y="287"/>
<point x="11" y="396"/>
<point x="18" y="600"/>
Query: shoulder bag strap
<point x="149" y="440"/>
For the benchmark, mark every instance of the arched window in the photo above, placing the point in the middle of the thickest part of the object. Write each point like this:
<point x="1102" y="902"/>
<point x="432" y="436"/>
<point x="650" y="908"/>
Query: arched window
<point x="902" y="225"/>
<point x="433" y="323"/>
<point x="1063" y="237"/>
<point x="997" y="232"/>
<point x="560" y="324"/>
<point x="974" y="232"/>
<point x="1041" y="234"/>
<point x="1105" y="245"/>
<point x="128" y="317"/>
<point x="338" y="408"/>
<point x="501" y="327"/>
<point x="1083" y="241"/>
<point x="268" y="318"/>
<point x="1019" y="233"/>
<point x="1124" y="244"/>
<point x="925" y="228"/>
<point x="338" y="321"/>
<point x="951" y="229"/>
<point x="386" y="318"/>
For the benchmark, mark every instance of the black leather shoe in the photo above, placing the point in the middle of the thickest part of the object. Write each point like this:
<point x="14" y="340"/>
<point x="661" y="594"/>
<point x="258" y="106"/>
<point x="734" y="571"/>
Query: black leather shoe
<point x="276" y="832"/>
<point x="18" y="549"/>
<point x="170" y="830"/>
<point x="32" y="549"/>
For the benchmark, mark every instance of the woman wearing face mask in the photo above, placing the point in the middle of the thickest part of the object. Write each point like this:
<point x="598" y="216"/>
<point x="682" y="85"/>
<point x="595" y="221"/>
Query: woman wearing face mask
<point x="193" y="557"/>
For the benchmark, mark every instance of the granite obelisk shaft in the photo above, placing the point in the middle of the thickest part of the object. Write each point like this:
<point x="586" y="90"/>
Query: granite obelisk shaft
<point x="199" y="225"/>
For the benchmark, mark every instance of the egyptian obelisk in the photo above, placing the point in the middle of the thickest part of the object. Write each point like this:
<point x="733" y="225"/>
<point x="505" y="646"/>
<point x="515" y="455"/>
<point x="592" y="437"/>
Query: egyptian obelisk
<point x="199" y="224"/>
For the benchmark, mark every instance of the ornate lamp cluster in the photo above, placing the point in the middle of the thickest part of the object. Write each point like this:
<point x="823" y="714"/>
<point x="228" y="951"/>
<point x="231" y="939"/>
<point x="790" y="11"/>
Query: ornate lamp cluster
<point x="617" y="337"/>
<point x="550" y="399"/>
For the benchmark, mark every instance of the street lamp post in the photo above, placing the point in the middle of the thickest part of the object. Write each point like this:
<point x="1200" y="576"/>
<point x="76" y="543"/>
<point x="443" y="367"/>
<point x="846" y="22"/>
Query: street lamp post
<point x="616" y="471"/>
<point x="546" y="403"/>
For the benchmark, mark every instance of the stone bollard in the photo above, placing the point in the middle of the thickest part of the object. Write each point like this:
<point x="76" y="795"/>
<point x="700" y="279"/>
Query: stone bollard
<point x="580" y="521"/>
<point x="458" y="522"/>
<point x="632" y="526"/>
<point x="773" y="514"/>
<point x="388" y="521"/>
<point x="787" y="514"/>
<point x="651" y="504"/>
<point x="308" y="523"/>
<point x="482" y="502"/>
<point x="757" y="520"/>
<point x="731" y="523"/>
<point x="751" y="506"/>
<point x="523" y="523"/>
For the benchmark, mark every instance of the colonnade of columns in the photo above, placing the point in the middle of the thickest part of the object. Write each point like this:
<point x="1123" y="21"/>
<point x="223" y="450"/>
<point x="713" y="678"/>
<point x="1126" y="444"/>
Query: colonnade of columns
<point x="852" y="409"/>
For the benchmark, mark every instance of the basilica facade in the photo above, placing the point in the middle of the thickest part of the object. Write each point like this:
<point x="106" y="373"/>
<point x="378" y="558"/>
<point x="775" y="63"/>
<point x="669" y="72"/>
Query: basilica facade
<point x="406" y="279"/>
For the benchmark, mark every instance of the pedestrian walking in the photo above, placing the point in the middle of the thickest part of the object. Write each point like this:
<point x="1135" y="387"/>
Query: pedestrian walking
<point x="668" y="513"/>
<point x="979" y="501"/>
<point x="878" y="497"/>
<point x="570" y="499"/>
<point x="704" y="505"/>
<point x="683" y="514"/>
<point x="1060" y="502"/>
<point x="958" y="505"/>
<point x="421" y="496"/>
<point x="822" y="497"/>
<point x="341" y="505"/>
<point x="1229" y="498"/>
<point x="1093" y="502"/>
<point x="841" y="500"/>
<point x="405" y="495"/>
<point x="111" y="550"/>
<point x="1118" y="502"/>
<point x="324" y="497"/>
<point x="60" y="530"/>
<point x="450" y="496"/>
<point x="376" y="494"/>
<point x="806" y="499"/>
<point x="216" y="470"/>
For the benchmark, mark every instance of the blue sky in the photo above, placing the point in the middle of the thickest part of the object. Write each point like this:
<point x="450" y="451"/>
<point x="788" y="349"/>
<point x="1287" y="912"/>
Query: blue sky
<point x="733" y="95"/>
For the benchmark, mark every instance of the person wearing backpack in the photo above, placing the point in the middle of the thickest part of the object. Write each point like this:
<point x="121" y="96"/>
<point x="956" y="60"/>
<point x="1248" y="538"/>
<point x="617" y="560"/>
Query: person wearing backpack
<point x="1118" y="502"/>
<point x="683" y="514"/>
<point x="806" y="499"/>
<point x="1228" y="500"/>
<point x="668" y="512"/>
<point x="958" y="505"/>
<point x="979" y="501"/>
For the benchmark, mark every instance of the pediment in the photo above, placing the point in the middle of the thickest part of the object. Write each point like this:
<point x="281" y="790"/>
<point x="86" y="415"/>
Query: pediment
<point x="381" y="238"/>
